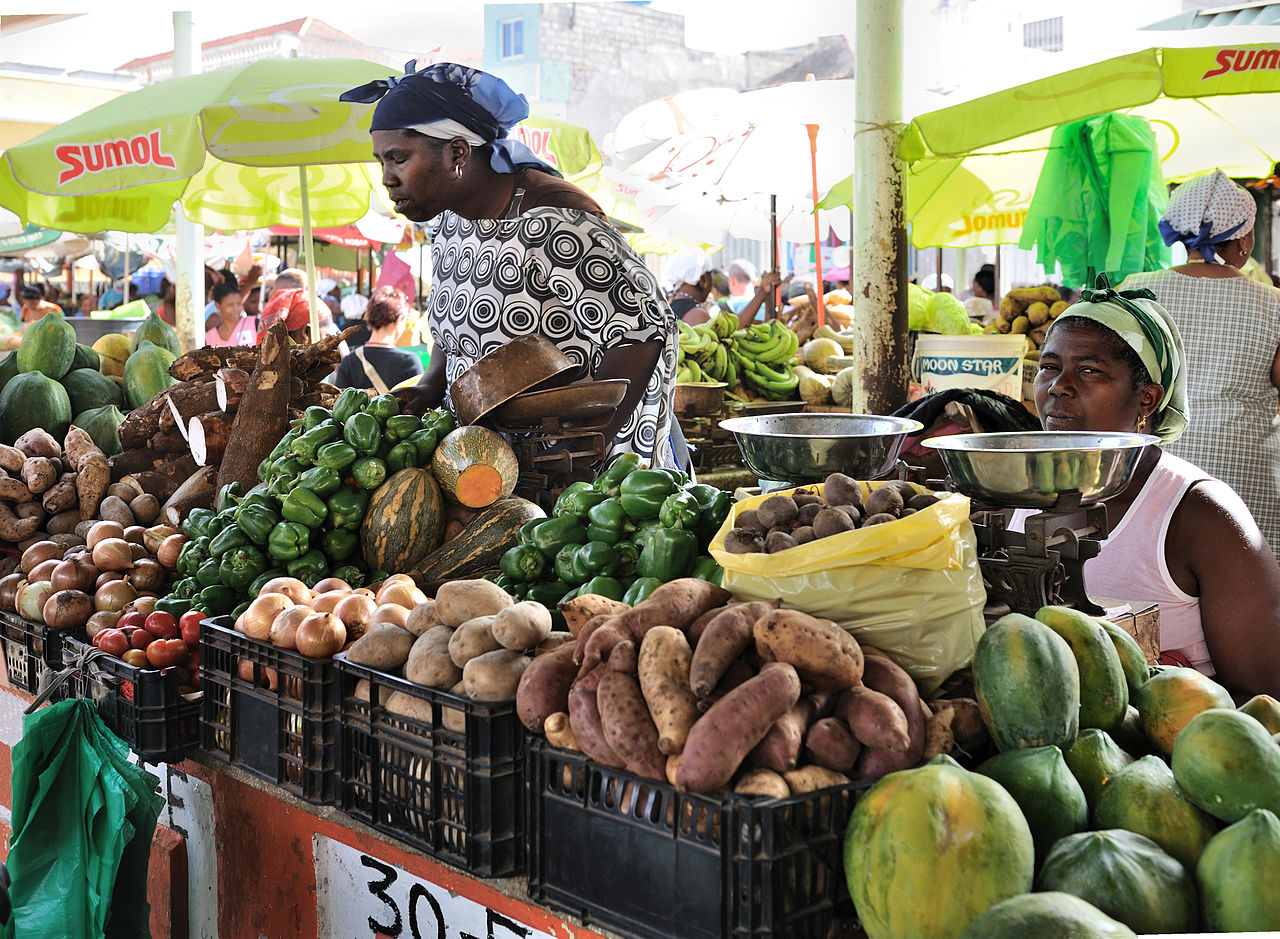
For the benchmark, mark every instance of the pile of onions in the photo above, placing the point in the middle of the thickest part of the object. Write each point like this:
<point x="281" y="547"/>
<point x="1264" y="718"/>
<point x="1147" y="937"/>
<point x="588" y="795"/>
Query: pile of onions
<point x="112" y="554"/>
<point x="31" y="598"/>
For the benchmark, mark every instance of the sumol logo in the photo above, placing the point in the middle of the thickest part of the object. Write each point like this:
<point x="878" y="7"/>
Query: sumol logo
<point x="1244" y="60"/>
<point x="140" y="150"/>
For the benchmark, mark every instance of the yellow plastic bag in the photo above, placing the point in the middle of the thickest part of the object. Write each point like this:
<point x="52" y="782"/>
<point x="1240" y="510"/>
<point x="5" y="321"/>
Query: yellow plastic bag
<point x="911" y="588"/>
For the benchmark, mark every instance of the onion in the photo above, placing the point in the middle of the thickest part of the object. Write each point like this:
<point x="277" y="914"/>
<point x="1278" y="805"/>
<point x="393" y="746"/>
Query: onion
<point x="9" y="591"/>
<point x="148" y="576"/>
<point x="284" y="628"/>
<point x="320" y="635"/>
<point x="113" y="595"/>
<point x="106" y="577"/>
<point x="406" y="595"/>
<point x="74" y="574"/>
<point x="330" y="584"/>
<point x="267" y="677"/>
<point x="291" y="587"/>
<point x="154" y="536"/>
<point x="31" y="597"/>
<point x="113" y="554"/>
<point x="103" y="619"/>
<point x="144" y="604"/>
<point x="44" y="570"/>
<point x="258" y="617"/>
<point x="67" y="609"/>
<point x="395" y="579"/>
<point x="170" y="548"/>
<point x="135" y="534"/>
<point x="355" y="610"/>
<point x="137" y="550"/>
<point x="390" y="613"/>
<point x="101" y="531"/>
<point x="325" y="602"/>
<point x="40" y="551"/>
<point x="365" y="592"/>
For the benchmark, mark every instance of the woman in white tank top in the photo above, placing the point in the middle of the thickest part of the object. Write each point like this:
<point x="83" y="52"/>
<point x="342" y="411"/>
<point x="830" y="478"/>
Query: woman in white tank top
<point x="1179" y="537"/>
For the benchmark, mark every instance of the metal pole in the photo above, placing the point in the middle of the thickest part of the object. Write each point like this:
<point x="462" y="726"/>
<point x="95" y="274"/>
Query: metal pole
<point x="189" y="263"/>
<point x="312" y="300"/>
<point x="879" y="254"/>
<point x="771" y="305"/>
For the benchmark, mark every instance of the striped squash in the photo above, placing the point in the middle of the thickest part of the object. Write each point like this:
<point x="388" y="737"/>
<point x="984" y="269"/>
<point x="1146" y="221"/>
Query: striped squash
<point x="475" y="467"/>
<point x="404" y="521"/>
<point x="478" y="547"/>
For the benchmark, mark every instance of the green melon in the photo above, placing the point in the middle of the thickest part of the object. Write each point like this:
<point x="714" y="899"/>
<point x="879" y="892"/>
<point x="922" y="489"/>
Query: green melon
<point x="89" y="389"/>
<point x="1093" y="759"/>
<point x="32" y="400"/>
<point x="1049" y="796"/>
<point x="1144" y="798"/>
<point x="48" y="346"/>
<point x="155" y="330"/>
<point x="103" y="425"/>
<point x="146" y="373"/>
<point x="1239" y="876"/>
<point x="85" y="357"/>
<point x="1060" y="915"/>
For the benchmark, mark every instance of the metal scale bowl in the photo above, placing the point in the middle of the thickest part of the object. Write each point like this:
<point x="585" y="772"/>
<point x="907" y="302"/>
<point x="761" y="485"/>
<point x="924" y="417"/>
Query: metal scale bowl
<point x="1063" y="475"/>
<point x="786" y="450"/>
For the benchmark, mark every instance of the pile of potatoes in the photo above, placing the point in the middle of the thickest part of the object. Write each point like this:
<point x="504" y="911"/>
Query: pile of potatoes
<point x="786" y="521"/>
<point x="709" y="696"/>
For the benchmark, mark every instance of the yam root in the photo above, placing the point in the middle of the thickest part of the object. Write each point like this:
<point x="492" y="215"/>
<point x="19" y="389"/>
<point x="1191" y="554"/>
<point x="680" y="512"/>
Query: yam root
<point x="966" y="725"/>
<point x="780" y="748"/>
<point x="938" y="737"/>
<point x="875" y="719"/>
<point x="61" y="496"/>
<point x="822" y="652"/>
<point x="262" y="419"/>
<point x="663" y="669"/>
<point x="584" y="719"/>
<point x="582" y="608"/>
<point x="723" y="640"/>
<point x="77" y="444"/>
<point x="14" y="529"/>
<point x="677" y="603"/>
<point x="14" y="490"/>
<point x="628" y="728"/>
<point x="38" y="442"/>
<point x="39" y="474"/>
<point x="11" y="458"/>
<point x="559" y="733"/>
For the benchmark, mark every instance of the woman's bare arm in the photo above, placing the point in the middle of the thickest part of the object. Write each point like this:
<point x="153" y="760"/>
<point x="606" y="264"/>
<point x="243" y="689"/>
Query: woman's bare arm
<point x="428" y="393"/>
<point x="634" y="362"/>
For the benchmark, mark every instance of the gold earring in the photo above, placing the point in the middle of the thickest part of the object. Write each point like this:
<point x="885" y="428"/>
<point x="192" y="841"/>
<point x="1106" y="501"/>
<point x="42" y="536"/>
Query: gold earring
<point x="1142" y="422"/>
<point x="457" y="170"/>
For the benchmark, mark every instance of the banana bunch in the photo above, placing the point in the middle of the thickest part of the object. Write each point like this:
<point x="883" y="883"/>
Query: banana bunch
<point x="703" y="357"/>
<point x="763" y="353"/>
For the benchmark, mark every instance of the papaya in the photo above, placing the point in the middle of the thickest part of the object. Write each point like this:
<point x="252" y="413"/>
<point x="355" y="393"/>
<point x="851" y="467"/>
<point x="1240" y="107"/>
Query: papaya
<point x="1027" y="684"/>
<point x="146" y="373"/>
<point x="1265" y="710"/>
<point x="1050" y="797"/>
<point x="1132" y="661"/>
<point x="48" y="346"/>
<point x="1093" y="759"/>
<point x="1143" y="797"/>
<point x="1125" y="875"/>
<point x="1227" y="764"/>
<point x="1171" y="697"/>
<point x="8" y="367"/>
<point x="930" y="849"/>
<point x="85" y="357"/>
<point x="1104" y="692"/>
<point x="88" y="388"/>
<point x="1128" y="733"/>
<point x="103" y="426"/>
<point x="155" y="330"/>
<point x="1239" y="876"/>
<point x="113" y="351"/>
<point x="1046" y="914"/>
<point x="33" y="400"/>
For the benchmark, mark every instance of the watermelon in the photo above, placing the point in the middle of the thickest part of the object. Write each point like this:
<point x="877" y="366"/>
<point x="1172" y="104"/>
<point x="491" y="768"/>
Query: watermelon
<point x="32" y="400"/>
<point x="90" y="389"/>
<point x="48" y="347"/>
<point x="102" y="424"/>
<point x="146" y="373"/>
<point x="156" y="331"/>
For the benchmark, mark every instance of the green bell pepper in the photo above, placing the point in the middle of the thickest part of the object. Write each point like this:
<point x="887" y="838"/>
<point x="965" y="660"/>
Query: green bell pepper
<point x="242" y="566"/>
<point x="305" y="447"/>
<point x="185" y="588"/>
<point x="383" y="407"/>
<point x="337" y="455"/>
<point x="197" y="523"/>
<point x="605" y="587"/>
<point x="207" y="574"/>
<point x="226" y="540"/>
<point x="347" y="507"/>
<point x="607" y="521"/>
<point x="240" y="608"/>
<point x="369" y="472"/>
<point x="706" y="568"/>
<point x="176" y="606"/>
<point x="593" y="559"/>
<point x="314" y="416"/>
<point x="441" y="421"/>
<point x="610" y="481"/>
<point x="402" y="456"/>
<point x="576" y="500"/>
<point x="257" y="497"/>
<point x="525" y="534"/>
<point x="304" y="506"/>
<point x="643" y="492"/>
<point x="549" y="594"/>
<point x="680" y="478"/>
<point x="504" y="581"/>
<point x="351" y="573"/>
<point x="228" y="496"/>
<point x="402" y="427"/>
<point x="193" y="554"/>
<point x="289" y="540"/>
<point x="644" y="531"/>
<point x="311" y="568"/>
<point x="218" y="524"/>
<point x="289" y="466"/>
<point x="339" y="544"/>
<point x="669" y="554"/>
<point x="363" y="432"/>
<point x="218" y="600"/>
<point x="518" y="592"/>
<point x="321" y="480"/>
<point x="564" y="566"/>
<point x="716" y="506"/>
<point x="628" y="558"/>
<point x="282" y="448"/>
<point x="551" y="534"/>
<point x="679" y="510"/>
<point x="349" y="402"/>
<point x="424" y="443"/>
<point x="640" y="589"/>
<point x="256" y="521"/>
<point x="524" y="563"/>
<point x="264" y="578"/>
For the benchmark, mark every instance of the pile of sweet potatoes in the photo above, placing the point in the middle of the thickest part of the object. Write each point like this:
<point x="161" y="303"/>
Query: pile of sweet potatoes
<point x="710" y="695"/>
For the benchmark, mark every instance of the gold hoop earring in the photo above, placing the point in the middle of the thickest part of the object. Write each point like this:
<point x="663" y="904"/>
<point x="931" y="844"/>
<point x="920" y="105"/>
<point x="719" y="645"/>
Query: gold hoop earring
<point x="457" y="170"/>
<point x="1142" y="422"/>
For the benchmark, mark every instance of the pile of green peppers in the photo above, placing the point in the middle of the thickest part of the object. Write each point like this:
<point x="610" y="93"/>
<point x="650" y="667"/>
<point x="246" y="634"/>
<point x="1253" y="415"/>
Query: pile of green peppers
<point x="622" y="536"/>
<point x="303" y="521"/>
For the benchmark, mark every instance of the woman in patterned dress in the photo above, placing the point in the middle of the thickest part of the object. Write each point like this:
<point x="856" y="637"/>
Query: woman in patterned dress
<point x="1231" y="327"/>
<point x="519" y="251"/>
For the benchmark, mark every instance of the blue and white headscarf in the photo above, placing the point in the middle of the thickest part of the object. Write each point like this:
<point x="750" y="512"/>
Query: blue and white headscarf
<point x="1206" y="211"/>
<point x="447" y="100"/>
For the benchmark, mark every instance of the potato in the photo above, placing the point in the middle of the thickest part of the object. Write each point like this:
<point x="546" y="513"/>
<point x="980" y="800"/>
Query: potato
<point x="454" y="719"/>
<point x="113" y="509"/>
<point x="966" y="726"/>
<point x="559" y="733"/>
<point x="763" y="782"/>
<point x="544" y="687"/>
<point x="522" y="625"/>
<point x="663" y="668"/>
<point x="458" y="601"/>
<point x="128" y="491"/>
<point x="494" y="676"/>
<point x="384" y="647"/>
<point x="62" y="523"/>
<point x="699" y="626"/>
<point x="821" y="651"/>
<point x="938" y="737"/>
<point x="472" y="638"/>
<point x="406" y="705"/>
<point x="145" y="508"/>
<point x="429" y="662"/>
<point x="422" y="617"/>
<point x="587" y="606"/>
<point x="813" y="778"/>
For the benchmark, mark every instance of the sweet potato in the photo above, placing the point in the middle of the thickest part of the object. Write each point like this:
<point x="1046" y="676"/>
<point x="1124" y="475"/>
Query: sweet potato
<point x="587" y="606"/>
<point x="875" y="719"/>
<point x="627" y="725"/>
<point x="780" y="748"/>
<point x="384" y="647"/>
<point x="824" y="703"/>
<point x="522" y="625"/>
<point x="14" y="529"/>
<point x="554" y="641"/>
<point x="966" y="724"/>
<point x="734" y="675"/>
<point x="821" y="652"/>
<point x="721" y="738"/>
<point x="829" y="743"/>
<point x="429" y="662"/>
<point x="494" y="676"/>
<point x="544" y="687"/>
<point x="584" y="718"/>
<point x="677" y="603"/>
<point x="884" y="675"/>
<point x="472" y="638"/>
<point x="558" y="731"/>
<point x="624" y="657"/>
<point x="39" y="474"/>
<point x="937" y="734"/>
<point x="600" y="642"/>
<point x="723" y="640"/>
<point x="813" y="778"/>
<point x="664" y="680"/>
<point x="699" y="625"/>
<point x="587" y="630"/>
<point x="763" y="782"/>
<point x="458" y="601"/>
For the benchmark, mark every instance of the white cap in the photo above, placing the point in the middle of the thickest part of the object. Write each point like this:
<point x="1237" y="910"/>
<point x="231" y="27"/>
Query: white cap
<point x="930" y="282"/>
<point x="685" y="267"/>
<point x="353" y="306"/>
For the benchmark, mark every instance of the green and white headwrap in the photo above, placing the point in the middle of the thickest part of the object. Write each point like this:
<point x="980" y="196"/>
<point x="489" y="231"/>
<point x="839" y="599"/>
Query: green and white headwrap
<point x="1148" y="329"/>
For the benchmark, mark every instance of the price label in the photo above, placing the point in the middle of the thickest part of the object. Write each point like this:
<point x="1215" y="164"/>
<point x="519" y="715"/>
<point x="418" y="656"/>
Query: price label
<point x="361" y="896"/>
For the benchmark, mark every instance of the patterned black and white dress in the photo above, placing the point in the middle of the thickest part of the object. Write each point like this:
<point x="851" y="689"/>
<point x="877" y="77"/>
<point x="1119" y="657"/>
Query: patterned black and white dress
<point x="568" y="276"/>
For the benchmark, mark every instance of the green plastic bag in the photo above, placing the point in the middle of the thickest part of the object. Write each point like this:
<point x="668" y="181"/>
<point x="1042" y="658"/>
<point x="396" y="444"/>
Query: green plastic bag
<point x="83" y="820"/>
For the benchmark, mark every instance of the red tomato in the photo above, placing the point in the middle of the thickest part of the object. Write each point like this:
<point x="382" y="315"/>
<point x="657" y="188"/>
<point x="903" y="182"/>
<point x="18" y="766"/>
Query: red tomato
<point x="165" y="652"/>
<point x="131" y="620"/>
<point x="162" y="625"/>
<point x="137" y="658"/>
<point x="190" y="626"/>
<point x="192" y="664"/>
<point x="139" y="638"/>
<point x="111" y="641"/>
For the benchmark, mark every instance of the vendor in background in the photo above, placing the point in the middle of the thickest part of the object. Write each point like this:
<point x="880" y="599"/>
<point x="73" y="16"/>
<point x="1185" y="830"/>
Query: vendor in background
<point x="694" y="283"/>
<point x="35" y="306"/>
<point x="981" y="306"/>
<point x="291" y="306"/>
<point x="1178" y="537"/>
<point x="377" y="364"/>
<point x="233" y="327"/>
<point x="86" y="303"/>
<point x="519" y="251"/>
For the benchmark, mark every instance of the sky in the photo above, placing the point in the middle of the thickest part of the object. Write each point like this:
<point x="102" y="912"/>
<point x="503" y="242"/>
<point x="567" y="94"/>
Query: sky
<point x="116" y="32"/>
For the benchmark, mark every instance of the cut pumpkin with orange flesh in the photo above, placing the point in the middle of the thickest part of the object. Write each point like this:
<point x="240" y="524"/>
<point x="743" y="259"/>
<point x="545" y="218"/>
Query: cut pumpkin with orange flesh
<point x="475" y="467"/>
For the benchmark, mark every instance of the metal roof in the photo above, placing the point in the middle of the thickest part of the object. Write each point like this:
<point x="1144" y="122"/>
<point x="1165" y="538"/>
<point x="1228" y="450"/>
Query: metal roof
<point x="1236" y="14"/>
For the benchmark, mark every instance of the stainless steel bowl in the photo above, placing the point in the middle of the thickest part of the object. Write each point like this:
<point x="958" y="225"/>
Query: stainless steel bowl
<point x="806" y="448"/>
<point x="1031" y="470"/>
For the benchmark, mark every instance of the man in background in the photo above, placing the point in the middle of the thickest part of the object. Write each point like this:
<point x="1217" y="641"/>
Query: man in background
<point x="743" y="279"/>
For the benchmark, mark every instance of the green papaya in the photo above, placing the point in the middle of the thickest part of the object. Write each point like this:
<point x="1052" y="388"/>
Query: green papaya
<point x="8" y="368"/>
<point x="48" y="346"/>
<point x="32" y="400"/>
<point x="155" y="330"/>
<point x="1143" y="797"/>
<point x="88" y="388"/>
<point x="1046" y="914"/>
<point x="103" y="425"/>
<point x="1093" y="759"/>
<point x="1239" y="876"/>
<point x="1027" y="684"/>
<point x="146" y="373"/>
<point x="1227" y="764"/>
<point x="1042" y="785"/>
<point x="85" y="357"/>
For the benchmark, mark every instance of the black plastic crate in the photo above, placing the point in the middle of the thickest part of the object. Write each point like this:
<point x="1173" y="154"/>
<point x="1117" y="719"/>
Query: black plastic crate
<point x="141" y="706"/>
<point x="440" y="772"/>
<point x="285" y="734"/>
<point x="639" y="858"/>
<point x="38" y="639"/>
<point x="21" y="666"/>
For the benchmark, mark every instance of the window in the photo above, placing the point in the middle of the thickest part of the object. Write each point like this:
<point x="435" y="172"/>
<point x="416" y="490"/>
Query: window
<point x="512" y="38"/>
<point x="1043" y="34"/>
